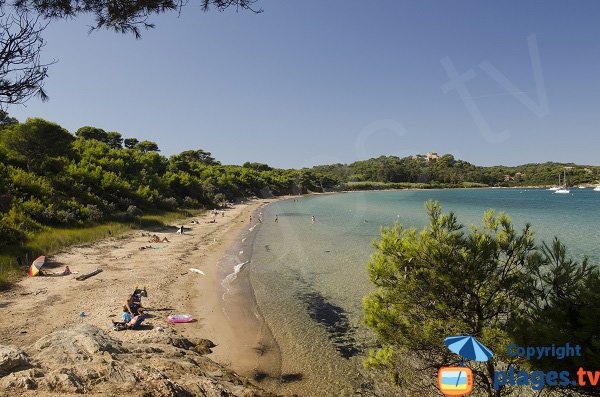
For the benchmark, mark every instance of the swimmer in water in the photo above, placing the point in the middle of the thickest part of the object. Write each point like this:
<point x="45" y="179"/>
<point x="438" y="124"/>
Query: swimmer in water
<point x="313" y="220"/>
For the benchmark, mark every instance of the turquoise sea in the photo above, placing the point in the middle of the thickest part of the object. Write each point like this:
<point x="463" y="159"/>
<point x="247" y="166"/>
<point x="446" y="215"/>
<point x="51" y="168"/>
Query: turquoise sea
<point x="309" y="278"/>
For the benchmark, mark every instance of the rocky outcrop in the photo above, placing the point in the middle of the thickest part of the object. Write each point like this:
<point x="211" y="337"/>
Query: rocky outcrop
<point x="11" y="358"/>
<point x="87" y="360"/>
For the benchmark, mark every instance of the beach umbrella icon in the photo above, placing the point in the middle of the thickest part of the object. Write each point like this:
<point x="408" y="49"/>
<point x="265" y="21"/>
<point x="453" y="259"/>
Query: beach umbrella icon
<point x="37" y="264"/>
<point x="468" y="347"/>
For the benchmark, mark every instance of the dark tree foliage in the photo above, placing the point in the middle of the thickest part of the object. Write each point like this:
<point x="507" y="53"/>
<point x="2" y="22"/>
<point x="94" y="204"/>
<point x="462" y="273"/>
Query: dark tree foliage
<point x="88" y="132"/>
<point x="257" y="166"/>
<point x="563" y="307"/>
<point x="36" y="142"/>
<point x="6" y="120"/>
<point x="492" y="282"/>
<point x="130" y="143"/>
<point x="147" y="146"/>
<point x="114" y="140"/>
<point x="22" y="73"/>
<point x="123" y="16"/>
<point x="199" y="156"/>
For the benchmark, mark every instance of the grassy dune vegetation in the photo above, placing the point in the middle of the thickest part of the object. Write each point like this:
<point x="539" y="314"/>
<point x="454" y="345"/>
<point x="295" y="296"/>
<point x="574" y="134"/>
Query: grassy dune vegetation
<point x="51" y="239"/>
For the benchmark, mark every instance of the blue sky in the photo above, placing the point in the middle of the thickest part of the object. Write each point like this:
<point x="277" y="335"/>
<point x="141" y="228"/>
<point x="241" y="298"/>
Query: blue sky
<point x="312" y="82"/>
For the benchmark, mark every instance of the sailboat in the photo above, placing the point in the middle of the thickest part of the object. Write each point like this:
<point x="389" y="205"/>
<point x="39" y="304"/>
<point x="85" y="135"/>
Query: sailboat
<point x="557" y="187"/>
<point x="563" y="190"/>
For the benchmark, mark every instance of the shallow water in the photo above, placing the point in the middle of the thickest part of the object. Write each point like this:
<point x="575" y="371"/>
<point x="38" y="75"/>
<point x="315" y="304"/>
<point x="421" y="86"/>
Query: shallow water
<point x="309" y="279"/>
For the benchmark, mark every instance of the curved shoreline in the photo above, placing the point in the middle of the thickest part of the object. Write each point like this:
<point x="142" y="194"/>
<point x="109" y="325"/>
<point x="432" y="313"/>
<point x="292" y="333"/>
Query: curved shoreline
<point x="227" y="305"/>
<point x="38" y="305"/>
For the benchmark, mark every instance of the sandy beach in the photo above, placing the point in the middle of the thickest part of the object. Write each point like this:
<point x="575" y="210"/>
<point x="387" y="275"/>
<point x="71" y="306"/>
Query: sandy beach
<point x="36" y="306"/>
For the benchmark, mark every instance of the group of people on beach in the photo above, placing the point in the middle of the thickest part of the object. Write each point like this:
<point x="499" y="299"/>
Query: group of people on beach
<point x="153" y="239"/>
<point x="312" y="219"/>
<point x="133" y="313"/>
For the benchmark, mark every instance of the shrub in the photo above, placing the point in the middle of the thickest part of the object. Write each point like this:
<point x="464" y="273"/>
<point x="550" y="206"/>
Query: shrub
<point x="8" y="233"/>
<point x="19" y="221"/>
<point x="66" y="216"/>
<point x="132" y="210"/>
<point x="169" y="203"/>
<point x="189" y="202"/>
<point x="109" y="208"/>
<point x="94" y="213"/>
<point x="219" y="199"/>
<point x="34" y="208"/>
<point x="124" y="202"/>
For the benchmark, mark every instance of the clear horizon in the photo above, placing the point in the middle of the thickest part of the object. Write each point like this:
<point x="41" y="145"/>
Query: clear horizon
<point x="314" y="83"/>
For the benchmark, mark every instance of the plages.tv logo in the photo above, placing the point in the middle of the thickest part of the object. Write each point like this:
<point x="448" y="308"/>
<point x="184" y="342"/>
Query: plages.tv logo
<point x="458" y="381"/>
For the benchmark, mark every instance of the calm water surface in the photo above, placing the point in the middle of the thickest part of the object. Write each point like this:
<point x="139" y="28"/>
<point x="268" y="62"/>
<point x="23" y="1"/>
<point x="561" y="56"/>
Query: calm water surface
<point x="309" y="279"/>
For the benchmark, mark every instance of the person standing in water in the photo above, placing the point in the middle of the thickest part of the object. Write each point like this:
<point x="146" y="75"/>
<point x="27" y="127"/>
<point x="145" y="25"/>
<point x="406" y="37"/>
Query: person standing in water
<point x="313" y="220"/>
<point x="276" y="218"/>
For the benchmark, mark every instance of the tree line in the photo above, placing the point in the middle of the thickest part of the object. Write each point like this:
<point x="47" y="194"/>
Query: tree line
<point x="448" y="171"/>
<point x="49" y="176"/>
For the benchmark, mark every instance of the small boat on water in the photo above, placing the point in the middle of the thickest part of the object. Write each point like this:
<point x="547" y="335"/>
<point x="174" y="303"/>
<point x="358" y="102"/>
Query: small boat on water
<point x="557" y="187"/>
<point x="597" y="189"/>
<point x="563" y="190"/>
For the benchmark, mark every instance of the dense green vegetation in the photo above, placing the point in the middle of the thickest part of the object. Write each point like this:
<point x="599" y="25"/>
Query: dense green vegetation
<point x="446" y="171"/>
<point x="50" y="178"/>
<point x="492" y="282"/>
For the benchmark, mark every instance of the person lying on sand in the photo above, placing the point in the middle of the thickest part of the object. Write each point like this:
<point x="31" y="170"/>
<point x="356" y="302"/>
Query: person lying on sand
<point x="145" y="247"/>
<point x="156" y="239"/>
<point x="134" y="322"/>
<point x="137" y="320"/>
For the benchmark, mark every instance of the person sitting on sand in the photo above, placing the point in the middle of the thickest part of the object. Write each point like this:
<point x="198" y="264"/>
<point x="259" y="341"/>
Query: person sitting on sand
<point x="126" y="316"/>
<point x="136" y="321"/>
<point x="129" y="321"/>
<point x="154" y="239"/>
<point x="132" y="305"/>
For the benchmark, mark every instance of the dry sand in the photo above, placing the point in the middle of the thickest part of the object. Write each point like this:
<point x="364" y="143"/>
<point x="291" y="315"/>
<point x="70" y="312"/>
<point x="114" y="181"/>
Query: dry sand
<point x="36" y="306"/>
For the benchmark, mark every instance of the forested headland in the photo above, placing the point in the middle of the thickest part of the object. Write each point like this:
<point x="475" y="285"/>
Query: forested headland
<point x="52" y="180"/>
